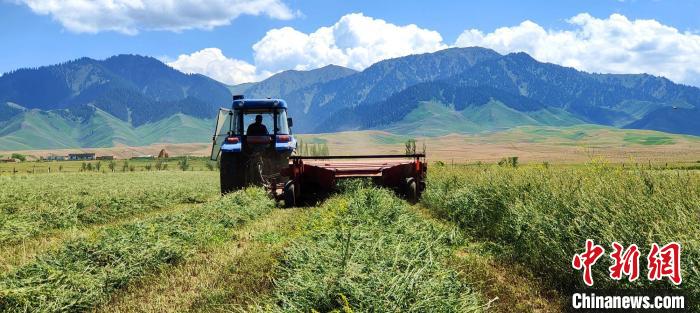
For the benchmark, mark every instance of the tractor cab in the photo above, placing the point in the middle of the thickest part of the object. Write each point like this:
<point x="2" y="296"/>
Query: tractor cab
<point x="253" y="142"/>
<point x="253" y="124"/>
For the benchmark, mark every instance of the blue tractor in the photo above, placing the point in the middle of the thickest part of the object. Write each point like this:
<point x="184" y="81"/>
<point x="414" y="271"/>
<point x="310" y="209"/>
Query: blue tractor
<point x="253" y="142"/>
<point x="254" y="145"/>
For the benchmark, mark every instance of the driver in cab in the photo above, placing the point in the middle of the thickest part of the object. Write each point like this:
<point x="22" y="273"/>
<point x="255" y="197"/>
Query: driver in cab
<point x="257" y="128"/>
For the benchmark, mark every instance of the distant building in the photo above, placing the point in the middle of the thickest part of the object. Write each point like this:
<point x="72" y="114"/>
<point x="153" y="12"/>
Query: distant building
<point x="106" y="157"/>
<point x="163" y="154"/>
<point x="56" y="158"/>
<point x="81" y="156"/>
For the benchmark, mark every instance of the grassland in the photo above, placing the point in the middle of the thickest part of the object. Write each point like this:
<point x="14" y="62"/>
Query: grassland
<point x="33" y="205"/>
<point x="532" y="144"/>
<point x="103" y="166"/>
<point x="540" y="216"/>
<point x="483" y="238"/>
<point x="84" y="272"/>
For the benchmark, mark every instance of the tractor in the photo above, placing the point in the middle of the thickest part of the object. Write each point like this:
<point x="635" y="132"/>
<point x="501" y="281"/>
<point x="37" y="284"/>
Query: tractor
<point x="254" y="145"/>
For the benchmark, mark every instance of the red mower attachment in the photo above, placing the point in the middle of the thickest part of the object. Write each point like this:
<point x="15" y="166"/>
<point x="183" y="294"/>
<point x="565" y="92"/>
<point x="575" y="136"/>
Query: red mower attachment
<point x="313" y="175"/>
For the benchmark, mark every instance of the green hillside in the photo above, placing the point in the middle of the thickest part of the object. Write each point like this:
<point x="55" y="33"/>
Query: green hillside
<point x="52" y="130"/>
<point x="432" y="118"/>
<point x="588" y="135"/>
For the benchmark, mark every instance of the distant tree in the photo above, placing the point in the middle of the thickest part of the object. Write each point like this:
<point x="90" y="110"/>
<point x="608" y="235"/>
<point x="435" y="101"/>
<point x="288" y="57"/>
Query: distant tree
<point x="148" y="167"/>
<point x="509" y="161"/>
<point x="112" y="165"/>
<point x="19" y="156"/>
<point x="184" y="164"/>
<point x="410" y="146"/>
<point x="300" y="146"/>
<point x="324" y="150"/>
<point x="83" y="167"/>
<point x="89" y="167"/>
<point x="98" y="165"/>
<point x="159" y="164"/>
<point x="125" y="166"/>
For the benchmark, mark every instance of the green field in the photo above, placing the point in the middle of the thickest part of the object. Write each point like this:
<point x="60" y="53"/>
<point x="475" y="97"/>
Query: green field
<point x="103" y="166"/>
<point x="483" y="238"/>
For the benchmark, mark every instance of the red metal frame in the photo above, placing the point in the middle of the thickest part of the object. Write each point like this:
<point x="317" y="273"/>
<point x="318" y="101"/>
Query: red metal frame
<point x="392" y="171"/>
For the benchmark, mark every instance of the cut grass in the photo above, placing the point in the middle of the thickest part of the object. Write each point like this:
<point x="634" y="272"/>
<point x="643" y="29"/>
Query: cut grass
<point x="223" y="278"/>
<point x="508" y="286"/>
<point x="85" y="271"/>
<point x="16" y="255"/>
<point x="35" y="204"/>
<point x="366" y="251"/>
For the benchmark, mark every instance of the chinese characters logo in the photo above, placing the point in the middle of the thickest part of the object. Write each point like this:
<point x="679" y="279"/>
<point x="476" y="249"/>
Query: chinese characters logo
<point x="662" y="262"/>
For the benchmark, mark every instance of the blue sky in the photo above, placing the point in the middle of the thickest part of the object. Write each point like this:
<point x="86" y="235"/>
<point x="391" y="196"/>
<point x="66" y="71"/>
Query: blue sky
<point x="38" y="33"/>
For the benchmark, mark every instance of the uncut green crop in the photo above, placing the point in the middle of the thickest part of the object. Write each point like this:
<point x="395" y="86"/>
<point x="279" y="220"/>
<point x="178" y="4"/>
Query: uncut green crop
<point x="33" y="204"/>
<point x="85" y="271"/>
<point x="542" y="216"/>
<point x="366" y="251"/>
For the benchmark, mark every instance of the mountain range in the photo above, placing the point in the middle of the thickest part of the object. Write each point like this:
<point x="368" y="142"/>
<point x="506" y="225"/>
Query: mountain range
<point x="136" y="100"/>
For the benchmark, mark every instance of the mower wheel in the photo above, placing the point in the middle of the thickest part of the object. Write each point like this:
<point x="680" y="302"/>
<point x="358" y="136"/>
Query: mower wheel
<point x="411" y="191"/>
<point x="290" y="198"/>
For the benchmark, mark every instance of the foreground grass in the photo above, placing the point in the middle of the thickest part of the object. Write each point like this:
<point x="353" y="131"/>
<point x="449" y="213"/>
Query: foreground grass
<point x="228" y="277"/>
<point x="540" y="217"/>
<point x="85" y="271"/>
<point x="509" y="287"/>
<point x="35" y="204"/>
<point x="367" y="251"/>
<point x="16" y="255"/>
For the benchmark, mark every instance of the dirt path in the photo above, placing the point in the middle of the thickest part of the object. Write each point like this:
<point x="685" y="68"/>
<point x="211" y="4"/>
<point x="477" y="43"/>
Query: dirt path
<point x="223" y="278"/>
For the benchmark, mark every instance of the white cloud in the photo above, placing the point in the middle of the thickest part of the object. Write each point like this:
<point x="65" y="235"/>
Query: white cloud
<point x="131" y="16"/>
<point x="355" y="41"/>
<point x="612" y="45"/>
<point x="213" y="63"/>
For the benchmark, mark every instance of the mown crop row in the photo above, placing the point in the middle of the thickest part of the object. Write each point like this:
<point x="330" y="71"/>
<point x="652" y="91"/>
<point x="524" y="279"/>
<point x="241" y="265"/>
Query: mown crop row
<point x="367" y="251"/>
<point x="85" y="271"/>
<point x="31" y="205"/>
<point x="541" y="216"/>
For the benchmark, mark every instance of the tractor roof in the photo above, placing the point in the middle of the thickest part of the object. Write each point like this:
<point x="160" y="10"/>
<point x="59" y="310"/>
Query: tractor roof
<point x="259" y="104"/>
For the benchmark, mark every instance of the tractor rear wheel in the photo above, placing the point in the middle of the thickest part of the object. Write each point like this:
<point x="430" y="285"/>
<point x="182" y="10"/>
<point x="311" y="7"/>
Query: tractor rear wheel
<point x="290" y="197"/>
<point x="230" y="173"/>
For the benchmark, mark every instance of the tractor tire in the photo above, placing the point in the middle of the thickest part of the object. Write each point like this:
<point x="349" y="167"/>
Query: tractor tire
<point x="290" y="197"/>
<point x="230" y="173"/>
<point x="254" y="170"/>
<point x="412" y="191"/>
